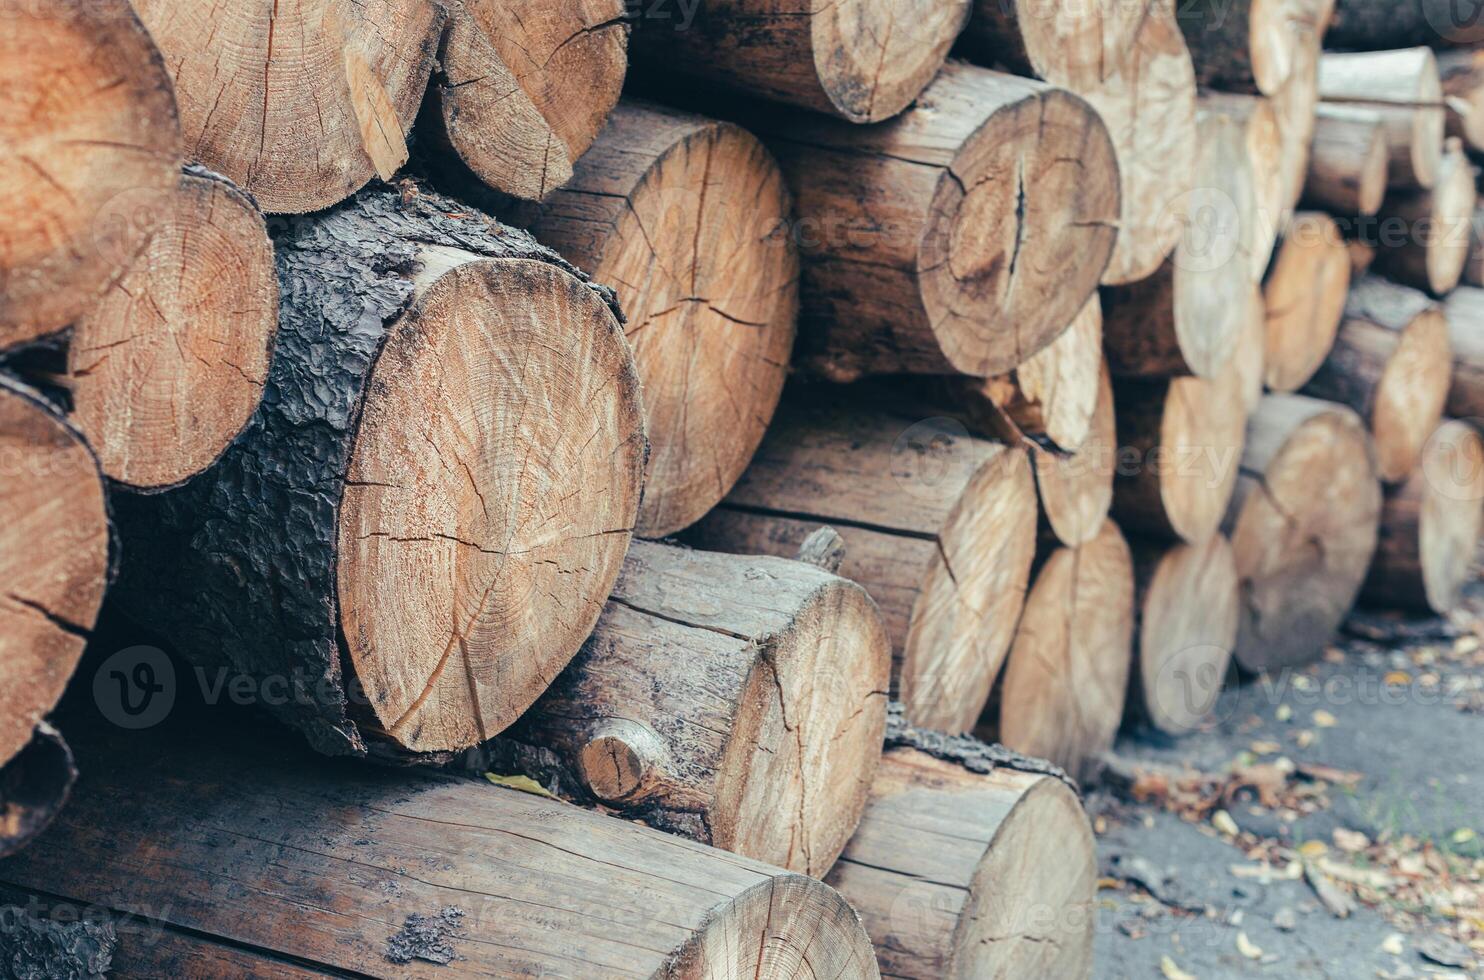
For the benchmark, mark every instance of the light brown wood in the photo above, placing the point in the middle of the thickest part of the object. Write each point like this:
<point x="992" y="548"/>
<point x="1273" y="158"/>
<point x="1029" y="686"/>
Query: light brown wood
<point x="1465" y="312"/>
<point x="1430" y="526"/>
<point x="1250" y="360"/>
<point x="1462" y="75"/>
<point x="325" y="865"/>
<point x="1149" y="108"/>
<point x="959" y="875"/>
<point x="1062" y="696"/>
<point x="1243" y="46"/>
<point x="526" y="86"/>
<point x="1304" y="297"/>
<point x="1403" y="87"/>
<point x="688" y="219"/>
<point x="1077" y="45"/>
<point x="1361" y="257"/>
<point x="1187" y="606"/>
<point x="54" y="559"/>
<point x="1296" y="105"/>
<point x="1423" y="236"/>
<point x="299" y="104"/>
<point x="1179" y="442"/>
<point x="1347" y="165"/>
<point x="91" y="137"/>
<point x="737" y="701"/>
<point x="170" y="364"/>
<point x="1267" y="165"/>
<point x="1302" y="526"/>
<point x="451" y="462"/>
<point x="860" y="60"/>
<point x="1391" y="363"/>
<point x="1186" y="317"/>
<point x="939" y="527"/>
<point x="938" y="242"/>
<point x="1076" y="489"/>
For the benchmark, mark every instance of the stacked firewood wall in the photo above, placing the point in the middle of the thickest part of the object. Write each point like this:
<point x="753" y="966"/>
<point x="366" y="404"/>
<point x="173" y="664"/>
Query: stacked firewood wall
<point x="809" y="434"/>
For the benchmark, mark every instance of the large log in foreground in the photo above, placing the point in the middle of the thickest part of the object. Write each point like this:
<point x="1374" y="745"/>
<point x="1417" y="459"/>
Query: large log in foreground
<point x="525" y="86"/>
<point x="1403" y="87"/>
<point x="938" y="242"/>
<point x="300" y="105"/>
<point x="1391" y="363"/>
<point x="737" y="701"/>
<point x="54" y="559"/>
<point x="1423" y="236"/>
<point x="437" y="493"/>
<point x="91" y="135"/>
<point x="1304" y="300"/>
<point x="1302" y="526"/>
<point x="862" y="60"/>
<point x="314" y="867"/>
<point x="961" y="874"/>
<point x="1430" y="525"/>
<point x="939" y="527"/>
<point x="688" y="219"/>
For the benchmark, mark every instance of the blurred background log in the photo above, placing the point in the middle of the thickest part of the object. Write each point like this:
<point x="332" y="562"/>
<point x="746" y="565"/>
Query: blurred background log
<point x="1304" y="299"/>
<point x="1403" y="87"/>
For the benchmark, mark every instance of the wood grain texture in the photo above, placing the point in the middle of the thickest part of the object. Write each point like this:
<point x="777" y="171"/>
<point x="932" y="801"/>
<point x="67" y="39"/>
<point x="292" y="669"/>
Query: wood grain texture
<point x="1347" y="166"/>
<point x="1424" y="236"/>
<point x="1465" y="311"/>
<point x="1077" y="45"/>
<point x="1304" y="300"/>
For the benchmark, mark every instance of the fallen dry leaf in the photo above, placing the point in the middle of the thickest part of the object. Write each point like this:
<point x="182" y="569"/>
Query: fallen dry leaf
<point x="1247" y="947"/>
<point x="1171" y="971"/>
<point x="1323" y="719"/>
<point x="1350" y="841"/>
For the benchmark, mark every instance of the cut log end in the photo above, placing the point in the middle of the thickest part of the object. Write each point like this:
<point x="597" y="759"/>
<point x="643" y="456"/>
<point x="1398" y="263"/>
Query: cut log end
<point x="459" y="557"/>
<point x="1036" y="182"/>
<point x="1410" y="396"/>
<point x="1055" y="392"/>
<point x="92" y="140"/>
<point x="1066" y="679"/>
<point x="54" y="559"/>
<point x="171" y="364"/>
<point x="1304" y="299"/>
<point x="527" y="86"/>
<point x="1347" y="165"/>
<point x="1076" y="45"/>
<point x="1249" y="361"/>
<point x="1076" y="490"/>
<point x="873" y="57"/>
<point x="1403" y="86"/>
<point x="1188" y="608"/>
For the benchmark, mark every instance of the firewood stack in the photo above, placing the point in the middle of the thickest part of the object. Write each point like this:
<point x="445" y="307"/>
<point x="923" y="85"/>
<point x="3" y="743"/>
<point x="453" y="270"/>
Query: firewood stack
<point x="740" y="445"/>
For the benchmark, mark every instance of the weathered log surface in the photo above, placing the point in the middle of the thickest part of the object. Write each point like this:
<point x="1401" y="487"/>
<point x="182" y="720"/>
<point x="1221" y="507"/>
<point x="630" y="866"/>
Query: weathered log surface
<point x="939" y="527"/>
<point x="320" y="865"/>
<point x="1391" y="363"/>
<point x="1430" y="526"/>
<point x="1424" y="235"/>
<point x="1302" y="527"/>
<point x="300" y="106"/>
<point x="937" y="242"/>
<point x="444" y="473"/>
<point x="861" y="60"/>
<point x="1304" y="300"/>
<point x="689" y="220"/>
<point x="89" y="125"/>
<point x="960" y="875"/>
<point x="1348" y="161"/>
<point x="525" y="86"/>
<point x="1402" y="86"/>
<point x="737" y="701"/>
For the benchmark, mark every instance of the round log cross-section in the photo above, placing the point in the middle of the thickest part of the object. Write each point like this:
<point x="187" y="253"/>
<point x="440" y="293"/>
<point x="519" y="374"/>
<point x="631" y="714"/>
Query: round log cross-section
<point x="688" y="220"/>
<point x="1247" y="46"/>
<point x="1423" y="236"/>
<point x="1302" y="527"/>
<point x="1465" y="311"/>
<point x="1304" y="299"/>
<point x="450" y="463"/>
<point x="938" y="242"/>
<point x="91" y="138"/>
<point x="1403" y="87"/>
<point x="1076" y="45"/>
<point x="299" y="104"/>
<point x="1076" y="489"/>
<point x="1347" y="164"/>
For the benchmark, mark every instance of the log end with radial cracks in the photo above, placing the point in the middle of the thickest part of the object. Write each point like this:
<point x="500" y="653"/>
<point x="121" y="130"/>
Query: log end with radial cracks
<point x="491" y="495"/>
<point x="1302" y="528"/>
<point x="91" y="139"/>
<point x="170" y="365"/>
<point x="526" y="87"/>
<point x="1066" y="680"/>
<point x="54" y="559"/>
<point x="696" y="243"/>
<point x="1036" y="181"/>
<point x="299" y="104"/>
<point x="873" y="57"/>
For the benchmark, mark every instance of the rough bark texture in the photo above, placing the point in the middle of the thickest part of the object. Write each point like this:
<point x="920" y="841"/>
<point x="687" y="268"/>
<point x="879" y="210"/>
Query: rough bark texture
<point x="938" y="242"/>
<point x="300" y="105"/>
<point x="737" y="701"/>
<point x="689" y="220"/>
<point x="55" y="558"/>
<point x="860" y="60"/>
<point x="959" y="874"/>
<point x="1066" y="679"/>
<point x="1302" y="526"/>
<point x="1374" y="25"/>
<point x="1391" y="363"/>
<point x="34" y="786"/>
<point x="1424" y="235"/>
<point x="525" y="86"/>
<point x="939" y="527"/>
<point x="1347" y="164"/>
<point x="407" y="356"/>
<point x="91" y="136"/>
<point x="32" y="946"/>
<point x="1242" y="46"/>
<point x="1074" y="45"/>
<point x="1465" y="312"/>
<point x="308" y="864"/>
<point x="1304" y="300"/>
<point x="1430" y="526"/>
<point x="1403" y="87"/>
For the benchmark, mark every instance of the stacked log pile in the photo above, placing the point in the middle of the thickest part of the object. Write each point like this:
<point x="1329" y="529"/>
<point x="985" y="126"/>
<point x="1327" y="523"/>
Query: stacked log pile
<point x="741" y="454"/>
